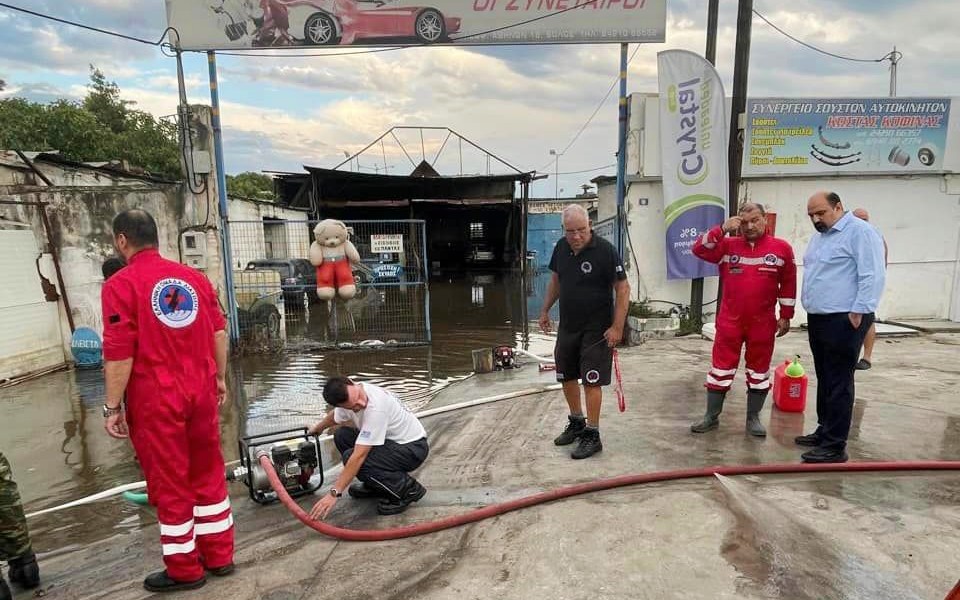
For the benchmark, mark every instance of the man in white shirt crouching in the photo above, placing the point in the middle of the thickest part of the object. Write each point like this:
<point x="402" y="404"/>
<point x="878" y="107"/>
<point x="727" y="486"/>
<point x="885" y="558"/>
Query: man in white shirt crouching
<point x="380" y="443"/>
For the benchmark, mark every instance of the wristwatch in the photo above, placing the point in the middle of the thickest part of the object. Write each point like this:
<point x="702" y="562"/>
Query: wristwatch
<point x="111" y="410"/>
<point x="336" y="493"/>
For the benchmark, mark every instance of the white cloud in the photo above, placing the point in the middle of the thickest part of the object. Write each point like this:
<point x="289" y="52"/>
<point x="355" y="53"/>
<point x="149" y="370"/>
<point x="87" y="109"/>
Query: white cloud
<point x="518" y="102"/>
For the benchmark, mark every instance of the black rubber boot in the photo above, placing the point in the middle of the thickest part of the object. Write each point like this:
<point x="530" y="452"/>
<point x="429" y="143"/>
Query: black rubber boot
<point x="572" y="432"/>
<point x="755" y="400"/>
<point x="24" y="570"/>
<point x="5" y="593"/>
<point x="711" y="420"/>
<point x="160" y="582"/>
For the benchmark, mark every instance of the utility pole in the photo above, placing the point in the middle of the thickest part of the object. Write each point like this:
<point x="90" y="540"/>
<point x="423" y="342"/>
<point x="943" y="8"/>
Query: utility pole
<point x="741" y="67"/>
<point x="556" y="173"/>
<point x="696" y="285"/>
<point x="894" y="59"/>
<point x="622" y="153"/>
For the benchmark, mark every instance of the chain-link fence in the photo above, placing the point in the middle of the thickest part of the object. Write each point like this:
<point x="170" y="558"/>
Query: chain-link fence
<point x="276" y="286"/>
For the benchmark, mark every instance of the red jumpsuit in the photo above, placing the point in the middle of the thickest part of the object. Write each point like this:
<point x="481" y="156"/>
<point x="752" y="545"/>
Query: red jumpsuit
<point x="164" y="316"/>
<point x="755" y="276"/>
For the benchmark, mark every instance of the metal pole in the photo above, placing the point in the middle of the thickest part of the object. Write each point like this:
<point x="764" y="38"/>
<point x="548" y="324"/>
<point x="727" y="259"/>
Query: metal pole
<point x="622" y="149"/>
<point x="556" y="175"/>
<point x="894" y="58"/>
<point x="225" y="247"/>
<point x="740" y="71"/>
<point x="696" y="285"/>
<point x="426" y="279"/>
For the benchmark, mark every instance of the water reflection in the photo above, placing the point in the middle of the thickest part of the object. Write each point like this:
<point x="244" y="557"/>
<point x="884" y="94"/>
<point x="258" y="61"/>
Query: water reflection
<point x="474" y="311"/>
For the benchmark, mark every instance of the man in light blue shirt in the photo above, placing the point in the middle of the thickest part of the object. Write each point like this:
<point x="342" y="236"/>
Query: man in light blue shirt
<point x="843" y="278"/>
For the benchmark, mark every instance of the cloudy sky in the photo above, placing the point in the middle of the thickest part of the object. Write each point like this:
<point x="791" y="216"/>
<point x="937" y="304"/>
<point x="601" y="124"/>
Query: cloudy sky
<point x="518" y="102"/>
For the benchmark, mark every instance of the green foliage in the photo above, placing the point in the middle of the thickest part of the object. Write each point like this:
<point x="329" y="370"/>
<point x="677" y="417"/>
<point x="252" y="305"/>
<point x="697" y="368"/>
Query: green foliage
<point x="251" y="185"/>
<point x="102" y="127"/>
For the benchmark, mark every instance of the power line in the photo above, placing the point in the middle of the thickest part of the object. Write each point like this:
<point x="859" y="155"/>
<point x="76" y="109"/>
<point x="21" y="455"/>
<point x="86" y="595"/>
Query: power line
<point x="82" y="26"/>
<point x="821" y="51"/>
<point x="595" y="111"/>
<point x="587" y="170"/>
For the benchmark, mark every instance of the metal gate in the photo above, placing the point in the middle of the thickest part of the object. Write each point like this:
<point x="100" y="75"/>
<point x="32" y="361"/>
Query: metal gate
<point x="275" y="286"/>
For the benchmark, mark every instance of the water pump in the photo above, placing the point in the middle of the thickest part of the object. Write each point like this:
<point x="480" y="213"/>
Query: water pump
<point x="294" y="453"/>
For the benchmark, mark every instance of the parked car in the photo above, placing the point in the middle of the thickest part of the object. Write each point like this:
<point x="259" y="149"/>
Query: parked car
<point x="297" y="277"/>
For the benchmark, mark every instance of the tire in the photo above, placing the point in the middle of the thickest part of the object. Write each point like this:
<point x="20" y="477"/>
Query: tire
<point x="430" y="27"/>
<point x="320" y="30"/>
<point x="269" y="316"/>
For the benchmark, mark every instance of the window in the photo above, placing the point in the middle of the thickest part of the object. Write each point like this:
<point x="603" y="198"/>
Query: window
<point x="476" y="231"/>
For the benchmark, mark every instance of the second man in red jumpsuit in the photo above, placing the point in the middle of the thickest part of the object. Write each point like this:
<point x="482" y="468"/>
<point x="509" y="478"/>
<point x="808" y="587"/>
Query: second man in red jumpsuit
<point x="757" y="272"/>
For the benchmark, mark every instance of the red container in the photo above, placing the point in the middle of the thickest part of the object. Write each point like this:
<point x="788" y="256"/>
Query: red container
<point x="789" y="393"/>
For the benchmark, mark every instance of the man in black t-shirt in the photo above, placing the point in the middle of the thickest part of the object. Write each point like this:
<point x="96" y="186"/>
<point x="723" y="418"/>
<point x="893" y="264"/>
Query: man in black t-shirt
<point x="586" y="271"/>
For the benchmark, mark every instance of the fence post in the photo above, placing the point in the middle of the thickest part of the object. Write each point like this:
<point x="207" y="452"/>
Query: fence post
<point x="426" y="280"/>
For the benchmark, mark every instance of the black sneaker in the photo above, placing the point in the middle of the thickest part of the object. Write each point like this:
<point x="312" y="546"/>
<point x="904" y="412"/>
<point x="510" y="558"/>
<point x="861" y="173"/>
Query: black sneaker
<point x="863" y="365"/>
<point x="572" y="432"/>
<point x="360" y="491"/>
<point x="160" y="582"/>
<point x="413" y="492"/>
<point x="811" y="439"/>
<point x="24" y="571"/>
<point x="589" y="444"/>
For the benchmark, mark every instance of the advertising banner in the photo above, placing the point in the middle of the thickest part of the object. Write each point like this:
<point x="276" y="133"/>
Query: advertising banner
<point x="693" y="148"/>
<point x="796" y="136"/>
<point x="233" y="24"/>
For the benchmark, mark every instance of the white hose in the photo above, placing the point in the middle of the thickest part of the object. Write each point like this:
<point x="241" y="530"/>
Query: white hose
<point x="116" y="491"/>
<point x="541" y="359"/>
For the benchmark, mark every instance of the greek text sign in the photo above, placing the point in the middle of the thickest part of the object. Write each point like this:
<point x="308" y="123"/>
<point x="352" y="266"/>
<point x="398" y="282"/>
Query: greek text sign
<point x="820" y="135"/>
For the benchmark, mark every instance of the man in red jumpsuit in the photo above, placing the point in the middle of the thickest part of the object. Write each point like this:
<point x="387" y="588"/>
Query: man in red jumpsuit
<point x="164" y="344"/>
<point x="757" y="271"/>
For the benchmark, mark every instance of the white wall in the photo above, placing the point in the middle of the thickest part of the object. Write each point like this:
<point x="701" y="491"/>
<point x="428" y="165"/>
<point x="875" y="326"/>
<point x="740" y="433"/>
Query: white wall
<point x="919" y="215"/>
<point x="248" y="236"/>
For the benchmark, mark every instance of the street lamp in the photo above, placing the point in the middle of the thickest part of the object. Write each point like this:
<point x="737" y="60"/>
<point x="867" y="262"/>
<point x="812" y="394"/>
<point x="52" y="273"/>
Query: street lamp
<point x="556" y="173"/>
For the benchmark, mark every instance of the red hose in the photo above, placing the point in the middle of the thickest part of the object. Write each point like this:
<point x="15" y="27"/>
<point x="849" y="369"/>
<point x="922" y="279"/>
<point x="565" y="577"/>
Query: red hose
<point x="486" y="512"/>
<point x="954" y="593"/>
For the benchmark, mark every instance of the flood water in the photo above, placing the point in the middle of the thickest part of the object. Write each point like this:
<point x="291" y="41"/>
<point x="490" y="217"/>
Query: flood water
<point x="52" y="430"/>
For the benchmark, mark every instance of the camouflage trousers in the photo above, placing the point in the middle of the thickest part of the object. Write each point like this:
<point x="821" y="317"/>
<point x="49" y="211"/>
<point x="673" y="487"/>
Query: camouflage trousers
<point x="14" y="537"/>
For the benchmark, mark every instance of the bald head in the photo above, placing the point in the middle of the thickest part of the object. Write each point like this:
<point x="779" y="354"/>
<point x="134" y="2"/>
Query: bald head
<point x="861" y="213"/>
<point x="748" y="207"/>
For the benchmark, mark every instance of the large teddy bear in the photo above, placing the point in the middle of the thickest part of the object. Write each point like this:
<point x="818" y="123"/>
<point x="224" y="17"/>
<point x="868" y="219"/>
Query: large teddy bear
<point x="332" y="254"/>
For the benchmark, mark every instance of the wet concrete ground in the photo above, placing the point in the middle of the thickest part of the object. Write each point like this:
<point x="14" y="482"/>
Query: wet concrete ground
<point x="797" y="536"/>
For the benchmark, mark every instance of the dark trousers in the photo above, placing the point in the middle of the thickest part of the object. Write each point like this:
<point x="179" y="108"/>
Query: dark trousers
<point x="387" y="466"/>
<point x="835" y="346"/>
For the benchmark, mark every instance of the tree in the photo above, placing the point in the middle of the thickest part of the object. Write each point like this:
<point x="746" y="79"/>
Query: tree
<point x="251" y="185"/>
<point x="102" y="127"/>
